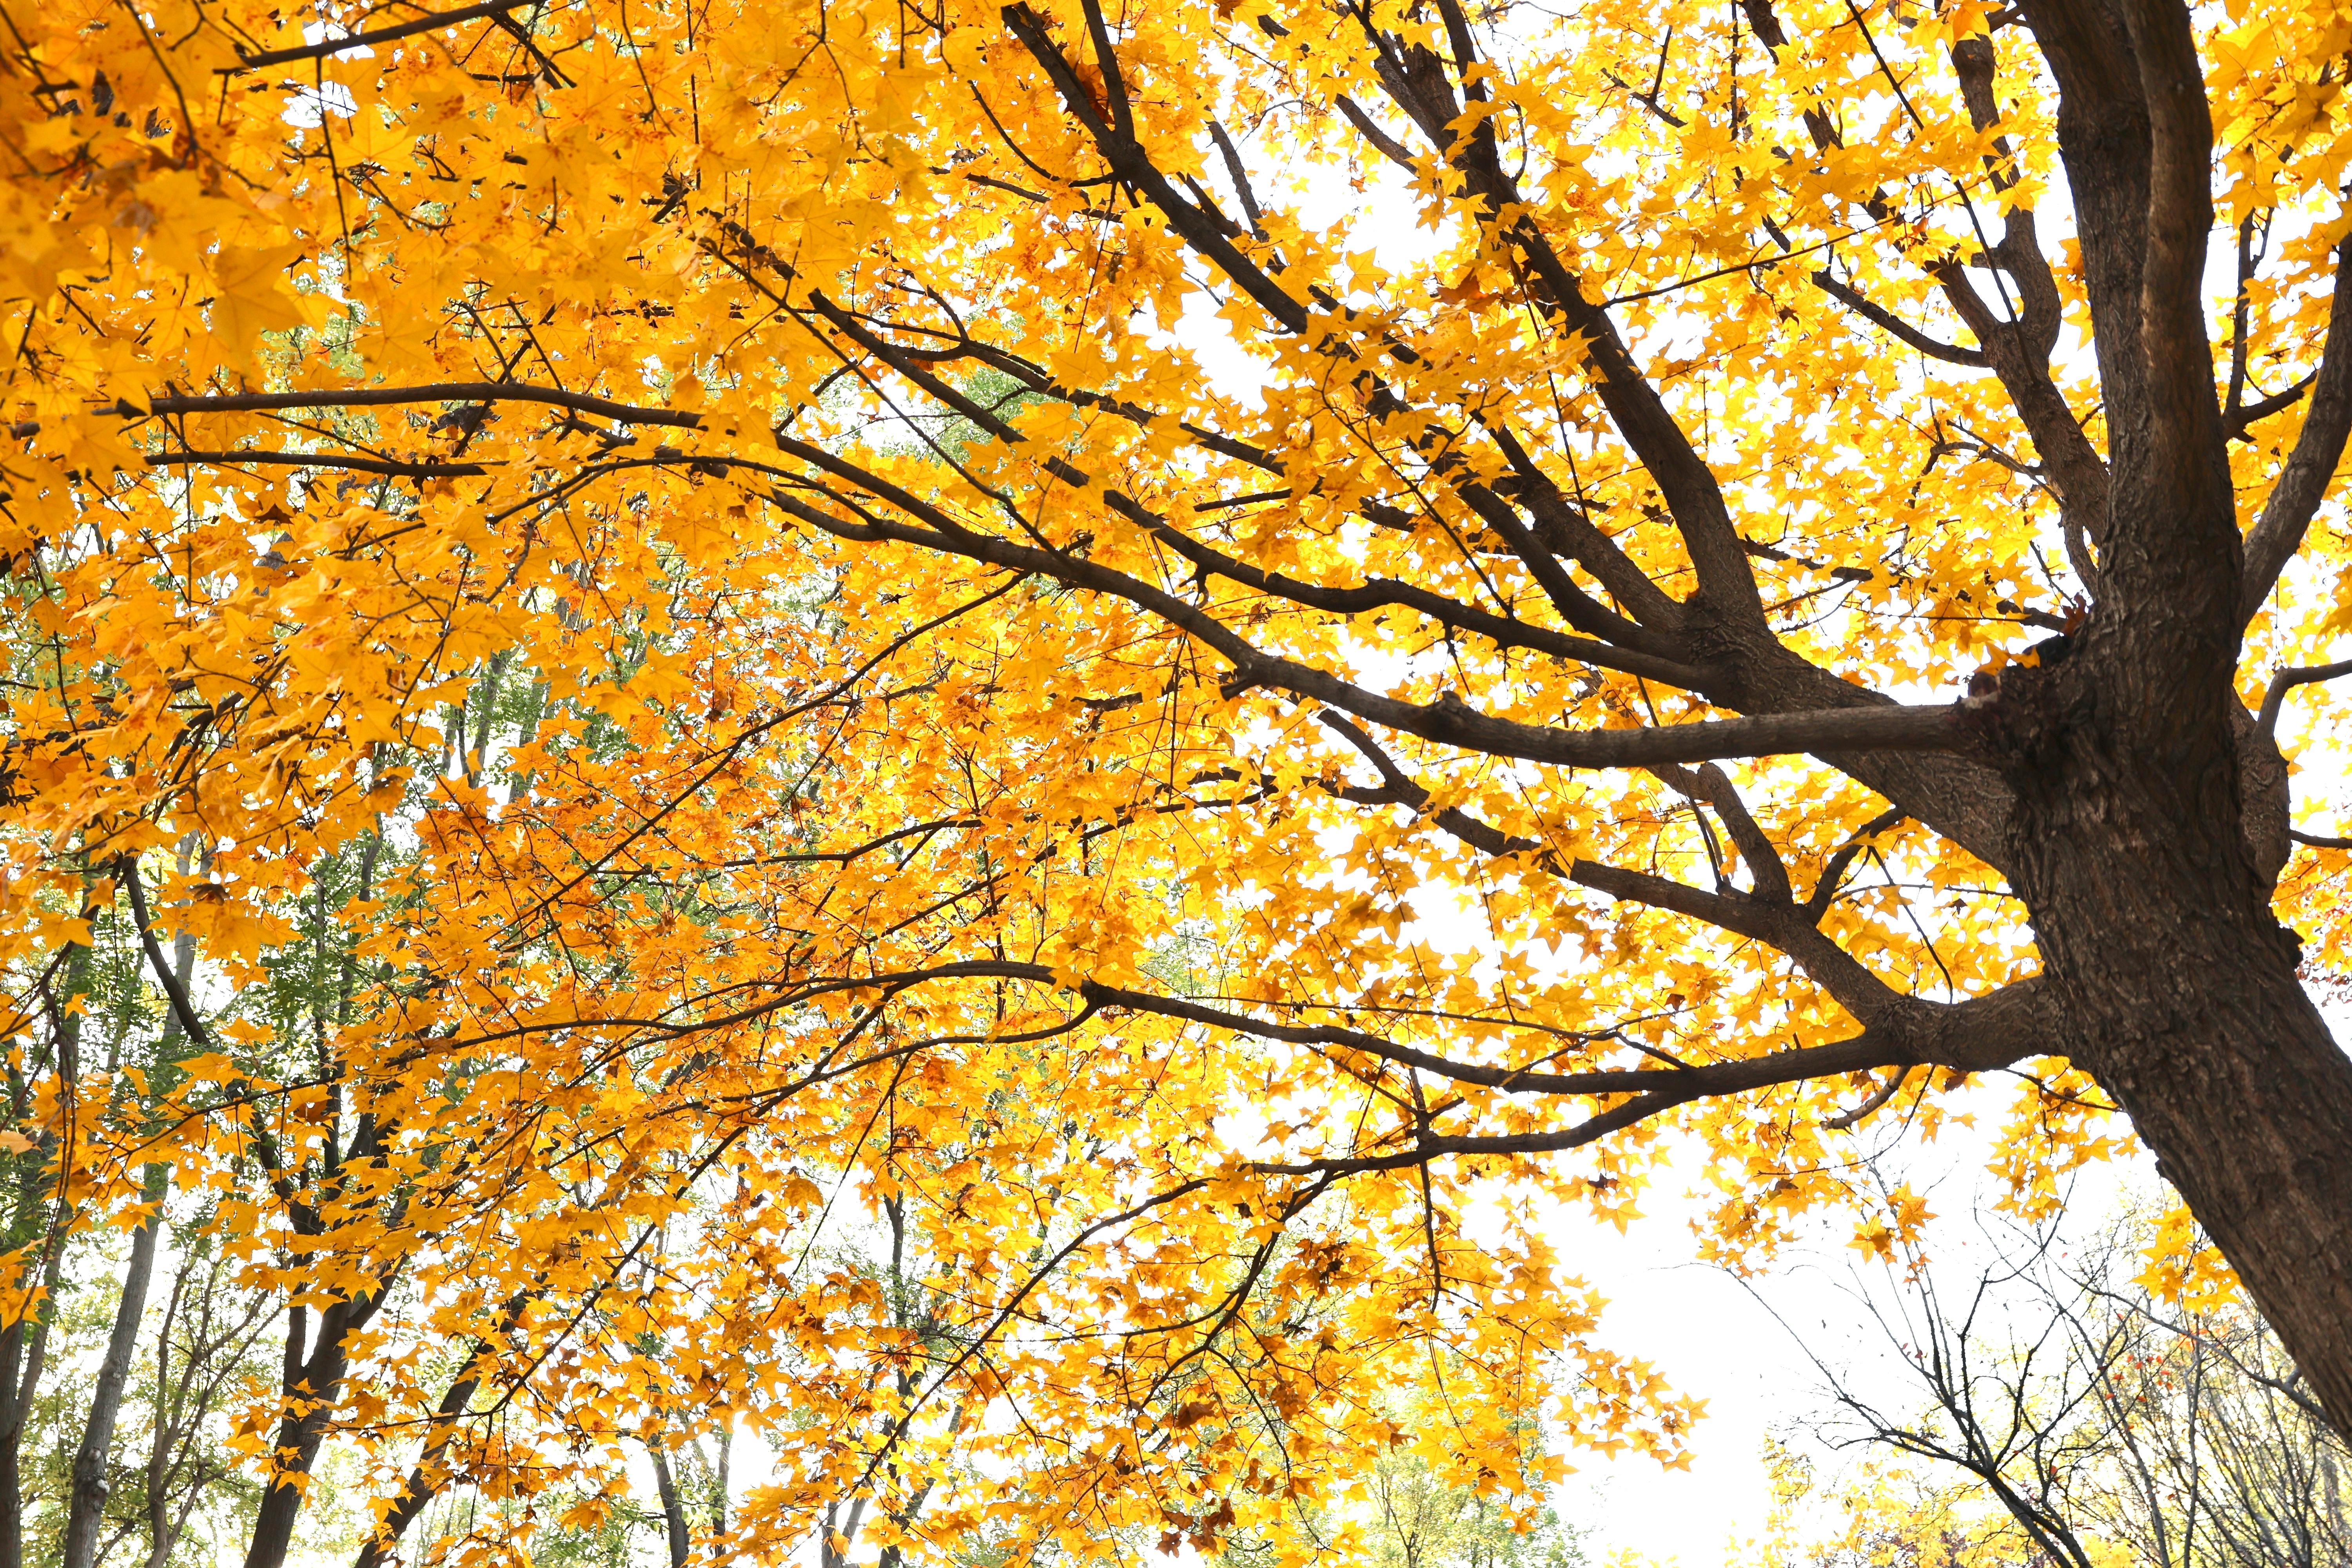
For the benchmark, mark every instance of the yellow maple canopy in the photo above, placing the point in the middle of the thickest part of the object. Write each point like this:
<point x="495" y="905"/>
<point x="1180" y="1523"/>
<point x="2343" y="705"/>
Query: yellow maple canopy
<point x="1176" y="666"/>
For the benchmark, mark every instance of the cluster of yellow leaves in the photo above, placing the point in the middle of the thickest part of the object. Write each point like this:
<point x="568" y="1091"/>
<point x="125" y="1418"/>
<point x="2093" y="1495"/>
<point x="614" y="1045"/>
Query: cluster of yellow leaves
<point x="1897" y="1511"/>
<point x="406" y="445"/>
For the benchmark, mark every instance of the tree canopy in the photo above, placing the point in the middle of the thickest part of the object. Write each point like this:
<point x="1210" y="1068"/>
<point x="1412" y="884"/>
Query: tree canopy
<point x="672" y="764"/>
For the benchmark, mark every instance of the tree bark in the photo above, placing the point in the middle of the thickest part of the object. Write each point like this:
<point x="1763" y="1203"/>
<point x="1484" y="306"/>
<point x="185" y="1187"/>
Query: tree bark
<point x="23" y="1345"/>
<point x="312" y="1383"/>
<point x="87" y="1509"/>
<point x="672" y="1507"/>
<point x="160" y="1534"/>
<point x="2179" y="987"/>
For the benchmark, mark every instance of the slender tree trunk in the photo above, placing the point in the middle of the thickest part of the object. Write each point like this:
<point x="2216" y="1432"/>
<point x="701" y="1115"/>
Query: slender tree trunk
<point x="23" y="1345"/>
<point x="429" y="1475"/>
<point x="314" y="1382"/>
<point x="840" y="1534"/>
<point x="87" y="1509"/>
<point x="12" y="1427"/>
<point x="311" y="1386"/>
<point x="160" y="1534"/>
<point x="672" y="1507"/>
<point x="719" y="1498"/>
<point x="27" y="1348"/>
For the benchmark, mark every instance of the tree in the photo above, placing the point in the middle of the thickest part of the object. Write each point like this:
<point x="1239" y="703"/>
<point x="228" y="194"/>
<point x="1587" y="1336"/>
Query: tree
<point x="726" y="500"/>
<point x="2091" y="1412"/>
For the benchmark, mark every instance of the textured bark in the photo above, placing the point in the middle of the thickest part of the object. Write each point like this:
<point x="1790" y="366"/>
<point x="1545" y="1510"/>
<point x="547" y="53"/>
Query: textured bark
<point x="2178" y="988"/>
<point x="2145" y="834"/>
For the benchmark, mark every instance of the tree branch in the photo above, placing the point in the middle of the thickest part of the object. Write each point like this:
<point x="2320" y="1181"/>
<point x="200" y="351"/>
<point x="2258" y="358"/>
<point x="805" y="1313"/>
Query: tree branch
<point x="2241" y="420"/>
<point x="1842" y="861"/>
<point x="323" y="460"/>
<point x="1888" y="322"/>
<point x="438" y="391"/>
<point x="1879" y="1097"/>
<point x="1416" y="80"/>
<point x="2303" y="484"/>
<point x="1978" y="1036"/>
<point x="326" y="47"/>
<point x="2287" y="677"/>
<point x="1782" y="927"/>
<point x="1886" y="727"/>
<point x="1768" y="916"/>
<point x="1765" y="867"/>
<point x="190" y="1024"/>
<point x="1388" y="146"/>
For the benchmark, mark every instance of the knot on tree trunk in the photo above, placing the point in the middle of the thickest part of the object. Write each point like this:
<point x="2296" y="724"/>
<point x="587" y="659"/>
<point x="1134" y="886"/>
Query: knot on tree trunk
<point x="2023" y="714"/>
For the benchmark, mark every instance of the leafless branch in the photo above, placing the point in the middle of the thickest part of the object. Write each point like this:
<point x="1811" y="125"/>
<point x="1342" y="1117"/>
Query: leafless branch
<point x="1893" y="325"/>
<point x="2288" y="677"/>
<point x="438" y="391"/>
<point x="321" y="460"/>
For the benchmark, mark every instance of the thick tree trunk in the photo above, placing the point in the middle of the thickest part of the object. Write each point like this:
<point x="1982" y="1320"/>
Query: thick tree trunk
<point x="2182" y="999"/>
<point x="2129" y="839"/>
<point x="2232" y="1079"/>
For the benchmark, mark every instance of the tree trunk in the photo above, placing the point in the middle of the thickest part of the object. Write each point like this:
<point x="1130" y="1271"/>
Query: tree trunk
<point x="160" y="1535"/>
<point x="314" y="1382"/>
<point x="12" y="1428"/>
<point x="2246" y="1100"/>
<point x="672" y="1507"/>
<point x="25" y="1344"/>
<point x="87" y="1509"/>
<point x="27" y="1350"/>
<point x="718" y="1495"/>
<point x="2182" y="997"/>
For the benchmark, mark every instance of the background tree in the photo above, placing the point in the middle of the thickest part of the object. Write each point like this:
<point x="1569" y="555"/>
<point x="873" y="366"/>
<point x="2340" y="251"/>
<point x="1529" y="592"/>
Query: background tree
<point x="734" y="672"/>
<point x="2065" y="1400"/>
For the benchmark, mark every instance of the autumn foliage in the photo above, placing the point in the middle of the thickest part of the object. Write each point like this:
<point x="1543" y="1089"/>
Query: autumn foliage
<point x="673" y="764"/>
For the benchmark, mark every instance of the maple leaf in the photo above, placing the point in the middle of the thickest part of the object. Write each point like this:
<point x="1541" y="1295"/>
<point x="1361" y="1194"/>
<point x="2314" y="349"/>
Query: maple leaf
<point x="254" y="293"/>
